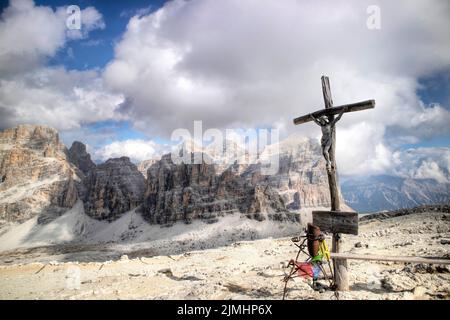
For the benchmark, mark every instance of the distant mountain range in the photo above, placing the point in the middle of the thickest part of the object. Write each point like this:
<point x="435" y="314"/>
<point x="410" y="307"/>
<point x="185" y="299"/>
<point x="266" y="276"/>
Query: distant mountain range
<point x="40" y="177"/>
<point x="383" y="192"/>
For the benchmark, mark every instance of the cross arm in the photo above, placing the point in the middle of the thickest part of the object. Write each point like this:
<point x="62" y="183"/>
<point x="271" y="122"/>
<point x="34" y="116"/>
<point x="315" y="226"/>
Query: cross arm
<point x="314" y="119"/>
<point x="359" y="106"/>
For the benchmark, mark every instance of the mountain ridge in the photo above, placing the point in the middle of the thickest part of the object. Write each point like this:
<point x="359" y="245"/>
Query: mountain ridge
<point x="40" y="176"/>
<point x="385" y="192"/>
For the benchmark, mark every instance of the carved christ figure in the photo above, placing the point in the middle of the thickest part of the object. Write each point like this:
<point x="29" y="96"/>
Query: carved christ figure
<point x="327" y="130"/>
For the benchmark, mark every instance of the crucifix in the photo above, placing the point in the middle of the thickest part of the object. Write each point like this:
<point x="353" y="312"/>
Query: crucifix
<point x="334" y="221"/>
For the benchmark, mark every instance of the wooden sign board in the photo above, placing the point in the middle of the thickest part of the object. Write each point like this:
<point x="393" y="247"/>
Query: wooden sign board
<point x="336" y="221"/>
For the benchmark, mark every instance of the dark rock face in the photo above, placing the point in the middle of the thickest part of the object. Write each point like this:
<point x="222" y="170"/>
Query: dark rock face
<point x="190" y="191"/>
<point x="113" y="188"/>
<point x="80" y="158"/>
<point x="177" y="192"/>
<point x="36" y="177"/>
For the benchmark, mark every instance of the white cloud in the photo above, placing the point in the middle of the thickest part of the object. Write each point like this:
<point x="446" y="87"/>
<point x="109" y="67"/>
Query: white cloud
<point x="249" y="64"/>
<point x="254" y="63"/>
<point x="136" y="149"/>
<point x="424" y="163"/>
<point x="431" y="170"/>
<point x="361" y="150"/>
<point x="91" y="19"/>
<point x="31" y="92"/>
<point x="189" y="59"/>
<point x="30" y="34"/>
<point x="56" y="97"/>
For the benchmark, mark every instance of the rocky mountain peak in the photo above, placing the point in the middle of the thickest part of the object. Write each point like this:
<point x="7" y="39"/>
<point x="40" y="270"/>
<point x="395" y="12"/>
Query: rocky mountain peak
<point x="146" y="164"/>
<point x="28" y="132"/>
<point x="36" y="177"/>
<point x="384" y="192"/>
<point x="80" y="157"/>
<point x="118" y="161"/>
<point x="38" y="138"/>
<point x="113" y="188"/>
<point x="189" y="191"/>
<point x="78" y="147"/>
<point x="33" y="156"/>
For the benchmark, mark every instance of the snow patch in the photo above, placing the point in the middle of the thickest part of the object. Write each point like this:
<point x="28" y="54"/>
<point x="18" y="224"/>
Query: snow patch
<point x="75" y="227"/>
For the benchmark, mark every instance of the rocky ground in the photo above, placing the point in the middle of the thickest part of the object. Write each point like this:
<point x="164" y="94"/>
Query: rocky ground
<point x="243" y="270"/>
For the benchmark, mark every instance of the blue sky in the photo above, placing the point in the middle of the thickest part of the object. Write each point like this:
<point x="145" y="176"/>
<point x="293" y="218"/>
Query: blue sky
<point x="98" y="50"/>
<point x="233" y="64"/>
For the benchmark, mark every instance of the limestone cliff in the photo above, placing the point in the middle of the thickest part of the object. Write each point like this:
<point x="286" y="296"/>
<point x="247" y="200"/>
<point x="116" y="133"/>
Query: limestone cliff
<point x="188" y="191"/>
<point x="144" y="165"/>
<point x="113" y="188"/>
<point x="35" y="175"/>
<point x="39" y="176"/>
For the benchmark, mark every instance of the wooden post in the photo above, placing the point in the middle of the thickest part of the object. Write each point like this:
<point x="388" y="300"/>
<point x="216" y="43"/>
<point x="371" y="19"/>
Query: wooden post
<point x="340" y="266"/>
<point x="340" y="222"/>
<point x="371" y="257"/>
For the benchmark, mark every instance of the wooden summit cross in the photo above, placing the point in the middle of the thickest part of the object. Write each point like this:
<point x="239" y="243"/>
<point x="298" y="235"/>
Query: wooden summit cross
<point x="335" y="221"/>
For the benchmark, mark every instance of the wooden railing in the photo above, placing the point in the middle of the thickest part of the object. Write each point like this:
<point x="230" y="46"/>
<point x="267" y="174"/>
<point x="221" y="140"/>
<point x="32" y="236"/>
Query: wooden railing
<point x="370" y="257"/>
